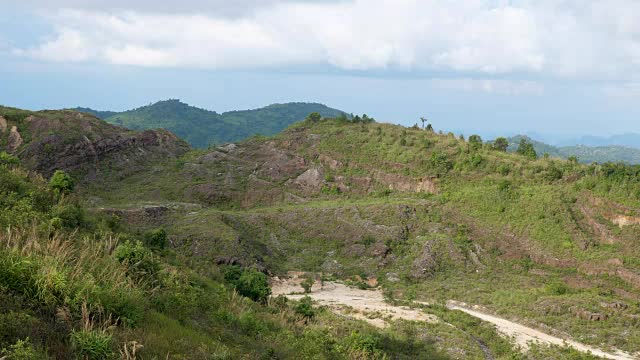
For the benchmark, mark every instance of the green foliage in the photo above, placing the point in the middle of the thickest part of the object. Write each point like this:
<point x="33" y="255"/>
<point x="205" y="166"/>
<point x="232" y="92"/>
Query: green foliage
<point x="440" y="162"/>
<point x="202" y="128"/>
<point x="557" y="287"/>
<point x="61" y="182"/>
<point x="92" y="345"/>
<point x="475" y="142"/>
<point x="307" y="284"/>
<point x="247" y="282"/>
<point x="8" y="160"/>
<point x="314" y="117"/>
<point x="139" y="260"/>
<point x="22" y="350"/>
<point x="156" y="238"/>
<point x="305" y="308"/>
<point x="525" y="148"/>
<point x="500" y="144"/>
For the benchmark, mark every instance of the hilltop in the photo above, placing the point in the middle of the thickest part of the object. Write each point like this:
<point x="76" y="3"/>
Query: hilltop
<point x="202" y="128"/>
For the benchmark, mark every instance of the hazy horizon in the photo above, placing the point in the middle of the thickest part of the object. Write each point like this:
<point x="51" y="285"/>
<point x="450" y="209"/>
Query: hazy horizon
<point x="567" y="69"/>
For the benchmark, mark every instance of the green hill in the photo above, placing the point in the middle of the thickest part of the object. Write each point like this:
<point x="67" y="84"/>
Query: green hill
<point x="585" y="154"/>
<point x="175" y="254"/>
<point x="202" y="128"/>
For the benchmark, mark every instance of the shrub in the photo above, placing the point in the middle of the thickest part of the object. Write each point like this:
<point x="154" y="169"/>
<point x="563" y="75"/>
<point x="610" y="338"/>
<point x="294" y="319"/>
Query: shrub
<point x="305" y="308"/>
<point x="156" y="238"/>
<point x="61" y="182"/>
<point x="69" y="216"/>
<point x="22" y="350"/>
<point x="92" y="345"/>
<point x="307" y="284"/>
<point x="557" y="288"/>
<point x="8" y="160"/>
<point x="139" y="260"/>
<point x="254" y="285"/>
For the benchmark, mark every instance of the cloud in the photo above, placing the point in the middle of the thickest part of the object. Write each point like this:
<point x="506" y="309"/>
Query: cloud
<point x="568" y="38"/>
<point x="491" y="86"/>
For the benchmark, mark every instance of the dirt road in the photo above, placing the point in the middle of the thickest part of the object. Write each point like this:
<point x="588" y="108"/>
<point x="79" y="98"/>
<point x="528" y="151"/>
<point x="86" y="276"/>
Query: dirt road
<point x="370" y="306"/>
<point x="523" y="335"/>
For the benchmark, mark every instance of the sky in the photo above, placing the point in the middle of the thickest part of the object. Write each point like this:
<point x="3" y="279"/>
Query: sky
<point x="493" y="67"/>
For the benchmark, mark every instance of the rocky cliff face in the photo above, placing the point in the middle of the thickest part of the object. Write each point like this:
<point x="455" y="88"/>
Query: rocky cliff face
<point x="82" y="144"/>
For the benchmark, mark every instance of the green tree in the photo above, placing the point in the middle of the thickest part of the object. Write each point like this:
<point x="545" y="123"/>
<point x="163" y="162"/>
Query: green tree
<point x="61" y="182"/>
<point x="254" y="285"/>
<point x="314" y="117"/>
<point x="525" y="148"/>
<point x="475" y="142"/>
<point x="429" y="128"/>
<point x="500" y="144"/>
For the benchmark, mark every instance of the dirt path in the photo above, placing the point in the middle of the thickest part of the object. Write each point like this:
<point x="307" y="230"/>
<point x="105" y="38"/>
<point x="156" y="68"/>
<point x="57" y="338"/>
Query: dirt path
<point x="367" y="305"/>
<point x="523" y="335"/>
<point x="370" y="306"/>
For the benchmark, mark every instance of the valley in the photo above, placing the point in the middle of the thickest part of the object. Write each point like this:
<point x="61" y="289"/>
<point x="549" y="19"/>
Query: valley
<point x="190" y="238"/>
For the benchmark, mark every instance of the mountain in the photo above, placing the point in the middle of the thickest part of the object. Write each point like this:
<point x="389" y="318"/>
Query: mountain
<point x="585" y="154"/>
<point x="627" y="140"/>
<point x="189" y="246"/>
<point x="202" y="128"/>
<point x="80" y="143"/>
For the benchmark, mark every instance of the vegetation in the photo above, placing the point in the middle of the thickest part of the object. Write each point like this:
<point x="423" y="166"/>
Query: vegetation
<point x="182" y="248"/>
<point x="202" y="128"/>
<point x="586" y="154"/>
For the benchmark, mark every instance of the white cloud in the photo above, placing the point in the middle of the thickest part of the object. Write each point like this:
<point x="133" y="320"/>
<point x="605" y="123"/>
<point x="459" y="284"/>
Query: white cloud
<point x="566" y="38"/>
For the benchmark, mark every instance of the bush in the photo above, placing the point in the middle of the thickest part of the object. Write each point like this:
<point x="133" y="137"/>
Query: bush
<point x="61" y="182"/>
<point x="22" y="350"/>
<point x="92" y="345"/>
<point x="254" y="285"/>
<point x="307" y="284"/>
<point x="557" y="288"/>
<point x="8" y="160"/>
<point x="305" y="308"/>
<point x="247" y="282"/>
<point x="156" y="238"/>
<point x="139" y="260"/>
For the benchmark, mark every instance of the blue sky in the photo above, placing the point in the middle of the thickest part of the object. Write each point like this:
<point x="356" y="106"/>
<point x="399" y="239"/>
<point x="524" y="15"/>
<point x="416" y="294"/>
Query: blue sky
<point x="563" y="67"/>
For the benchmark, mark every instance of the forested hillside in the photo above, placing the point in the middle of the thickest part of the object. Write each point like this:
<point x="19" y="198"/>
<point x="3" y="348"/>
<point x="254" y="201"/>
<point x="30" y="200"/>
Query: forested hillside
<point x="202" y="128"/>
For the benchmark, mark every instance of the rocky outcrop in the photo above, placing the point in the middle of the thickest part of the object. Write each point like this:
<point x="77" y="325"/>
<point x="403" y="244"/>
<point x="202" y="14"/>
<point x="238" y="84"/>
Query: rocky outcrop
<point x="14" y="141"/>
<point x="403" y="183"/>
<point x="3" y="125"/>
<point x="87" y="146"/>
<point x="625" y="220"/>
<point x="309" y="181"/>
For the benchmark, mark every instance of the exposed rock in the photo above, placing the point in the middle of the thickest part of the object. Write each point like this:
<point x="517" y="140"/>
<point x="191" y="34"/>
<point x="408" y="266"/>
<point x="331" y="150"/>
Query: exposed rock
<point x="150" y="215"/>
<point x="403" y="183"/>
<point x="228" y="147"/>
<point x="587" y="315"/>
<point x="425" y="264"/>
<point x="331" y="266"/>
<point x="625" y="220"/>
<point x="616" y="305"/>
<point x="14" y="141"/>
<point x="333" y="164"/>
<point x="310" y="181"/>
<point x="3" y="124"/>
<point x="392" y="277"/>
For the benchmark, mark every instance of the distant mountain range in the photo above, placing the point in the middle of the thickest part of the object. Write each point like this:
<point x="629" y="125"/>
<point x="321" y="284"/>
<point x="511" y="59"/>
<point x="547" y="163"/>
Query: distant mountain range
<point x="202" y="128"/>
<point x="585" y="154"/>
